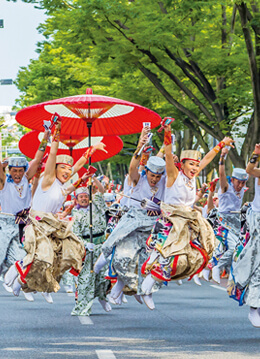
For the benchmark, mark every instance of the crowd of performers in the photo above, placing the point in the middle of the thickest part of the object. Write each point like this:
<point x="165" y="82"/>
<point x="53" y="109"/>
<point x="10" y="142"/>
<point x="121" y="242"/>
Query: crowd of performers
<point x="160" y="228"/>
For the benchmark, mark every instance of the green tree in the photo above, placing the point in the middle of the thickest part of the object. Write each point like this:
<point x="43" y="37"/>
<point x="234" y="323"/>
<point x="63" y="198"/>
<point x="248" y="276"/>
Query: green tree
<point x="194" y="53"/>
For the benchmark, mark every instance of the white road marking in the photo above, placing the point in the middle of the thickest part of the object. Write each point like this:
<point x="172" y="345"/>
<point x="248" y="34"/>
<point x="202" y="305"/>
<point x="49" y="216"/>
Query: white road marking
<point x="105" y="354"/>
<point x="17" y="349"/>
<point x="218" y="287"/>
<point x="85" y="320"/>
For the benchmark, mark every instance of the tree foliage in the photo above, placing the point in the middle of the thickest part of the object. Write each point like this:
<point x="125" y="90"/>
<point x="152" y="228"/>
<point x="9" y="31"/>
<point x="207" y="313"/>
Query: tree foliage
<point x="187" y="59"/>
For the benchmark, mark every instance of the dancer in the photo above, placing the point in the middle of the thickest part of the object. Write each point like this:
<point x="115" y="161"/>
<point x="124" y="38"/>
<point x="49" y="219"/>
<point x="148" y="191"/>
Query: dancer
<point x="127" y="241"/>
<point x="50" y="245"/>
<point x="246" y="270"/>
<point x="182" y="240"/>
<point x="90" y="285"/>
<point x="15" y="198"/>
<point x="230" y="200"/>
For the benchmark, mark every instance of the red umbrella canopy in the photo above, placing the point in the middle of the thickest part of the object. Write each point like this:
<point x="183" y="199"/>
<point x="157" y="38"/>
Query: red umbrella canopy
<point x="30" y="142"/>
<point x="108" y="115"/>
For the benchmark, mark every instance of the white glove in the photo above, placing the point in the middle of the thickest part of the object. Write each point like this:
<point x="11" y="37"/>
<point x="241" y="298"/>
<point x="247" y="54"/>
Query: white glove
<point x="90" y="246"/>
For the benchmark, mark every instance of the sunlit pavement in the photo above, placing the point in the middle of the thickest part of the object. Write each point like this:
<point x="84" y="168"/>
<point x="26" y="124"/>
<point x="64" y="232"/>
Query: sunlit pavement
<point x="189" y="322"/>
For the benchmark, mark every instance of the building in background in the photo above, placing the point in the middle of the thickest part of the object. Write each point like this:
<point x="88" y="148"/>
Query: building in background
<point x="10" y="133"/>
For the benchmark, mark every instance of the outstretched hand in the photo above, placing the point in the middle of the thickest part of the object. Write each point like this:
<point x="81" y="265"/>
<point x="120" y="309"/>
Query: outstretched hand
<point x="5" y="162"/>
<point x="100" y="146"/>
<point x="228" y="141"/>
<point x="145" y="131"/>
<point x="144" y="136"/>
<point x="85" y="177"/>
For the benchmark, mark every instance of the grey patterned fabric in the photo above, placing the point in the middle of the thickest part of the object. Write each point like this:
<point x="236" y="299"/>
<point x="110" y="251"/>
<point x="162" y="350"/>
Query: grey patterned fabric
<point x="230" y="221"/>
<point x="81" y="218"/>
<point x="233" y="224"/>
<point x="10" y="248"/>
<point x="90" y="285"/>
<point x="246" y="269"/>
<point x="129" y="239"/>
<point x="68" y="278"/>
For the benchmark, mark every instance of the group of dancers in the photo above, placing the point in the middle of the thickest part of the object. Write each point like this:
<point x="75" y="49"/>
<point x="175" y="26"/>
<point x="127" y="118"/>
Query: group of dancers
<point x="159" y="229"/>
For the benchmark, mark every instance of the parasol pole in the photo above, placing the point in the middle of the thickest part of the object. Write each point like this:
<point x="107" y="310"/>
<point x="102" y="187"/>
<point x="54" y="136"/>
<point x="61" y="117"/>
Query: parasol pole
<point x="89" y="125"/>
<point x="70" y="148"/>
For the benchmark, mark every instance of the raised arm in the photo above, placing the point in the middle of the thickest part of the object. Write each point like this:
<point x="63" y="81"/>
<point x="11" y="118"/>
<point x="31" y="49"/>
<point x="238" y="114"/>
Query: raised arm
<point x="210" y="202"/>
<point x="101" y="189"/>
<point x="3" y="165"/>
<point x="201" y="192"/>
<point x="134" y="164"/>
<point x="227" y="141"/>
<point x="38" y="157"/>
<point x="251" y="167"/>
<point x="171" y="170"/>
<point x="223" y="183"/>
<point x="50" y="167"/>
<point x="82" y="180"/>
<point x="85" y="157"/>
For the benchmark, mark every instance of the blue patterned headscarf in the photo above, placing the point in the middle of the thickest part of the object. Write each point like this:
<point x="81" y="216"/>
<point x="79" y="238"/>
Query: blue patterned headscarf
<point x="17" y="162"/>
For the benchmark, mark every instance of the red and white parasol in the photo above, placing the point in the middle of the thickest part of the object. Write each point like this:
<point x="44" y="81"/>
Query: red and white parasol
<point x="105" y="115"/>
<point x="74" y="146"/>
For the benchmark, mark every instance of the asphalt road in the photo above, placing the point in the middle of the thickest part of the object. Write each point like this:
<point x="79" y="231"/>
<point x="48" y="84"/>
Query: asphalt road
<point x="189" y="322"/>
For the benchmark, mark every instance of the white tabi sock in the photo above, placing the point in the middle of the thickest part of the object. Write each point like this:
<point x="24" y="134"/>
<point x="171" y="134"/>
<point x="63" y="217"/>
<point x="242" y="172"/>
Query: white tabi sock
<point x="147" y="284"/>
<point x="47" y="297"/>
<point x="28" y="296"/>
<point x="124" y="300"/>
<point x="119" y="299"/>
<point x="10" y="275"/>
<point x="100" y="263"/>
<point x="111" y="300"/>
<point x="105" y="305"/>
<point x="8" y="289"/>
<point x="254" y="317"/>
<point x="216" y="274"/>
<point x="117" y="289"/>
<point x="206" y="273"/>
<point x="196" y="279"/>
<point x="16" y="287"/>
<point x="148" y="301"/>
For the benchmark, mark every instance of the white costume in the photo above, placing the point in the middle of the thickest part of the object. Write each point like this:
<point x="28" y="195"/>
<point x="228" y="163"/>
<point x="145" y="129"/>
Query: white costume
<point x="14" y="198"/>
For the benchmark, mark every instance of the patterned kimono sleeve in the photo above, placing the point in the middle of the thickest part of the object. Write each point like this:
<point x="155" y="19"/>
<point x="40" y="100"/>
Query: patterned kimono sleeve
<point x="77" y="224"/>
<point x="100" y="203"/>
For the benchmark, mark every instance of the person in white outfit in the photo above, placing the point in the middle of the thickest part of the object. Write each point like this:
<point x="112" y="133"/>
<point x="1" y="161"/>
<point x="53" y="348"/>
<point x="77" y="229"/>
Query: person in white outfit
<point x="181" y="241"/>
<point x="15" y="198"/>
<point x="51" y="246"/>
<point x="230" y="200"/>
<point x="246" y="270"/>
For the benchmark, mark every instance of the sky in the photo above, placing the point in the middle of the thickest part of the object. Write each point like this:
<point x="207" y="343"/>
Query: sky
<point x="18" y="41"/>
